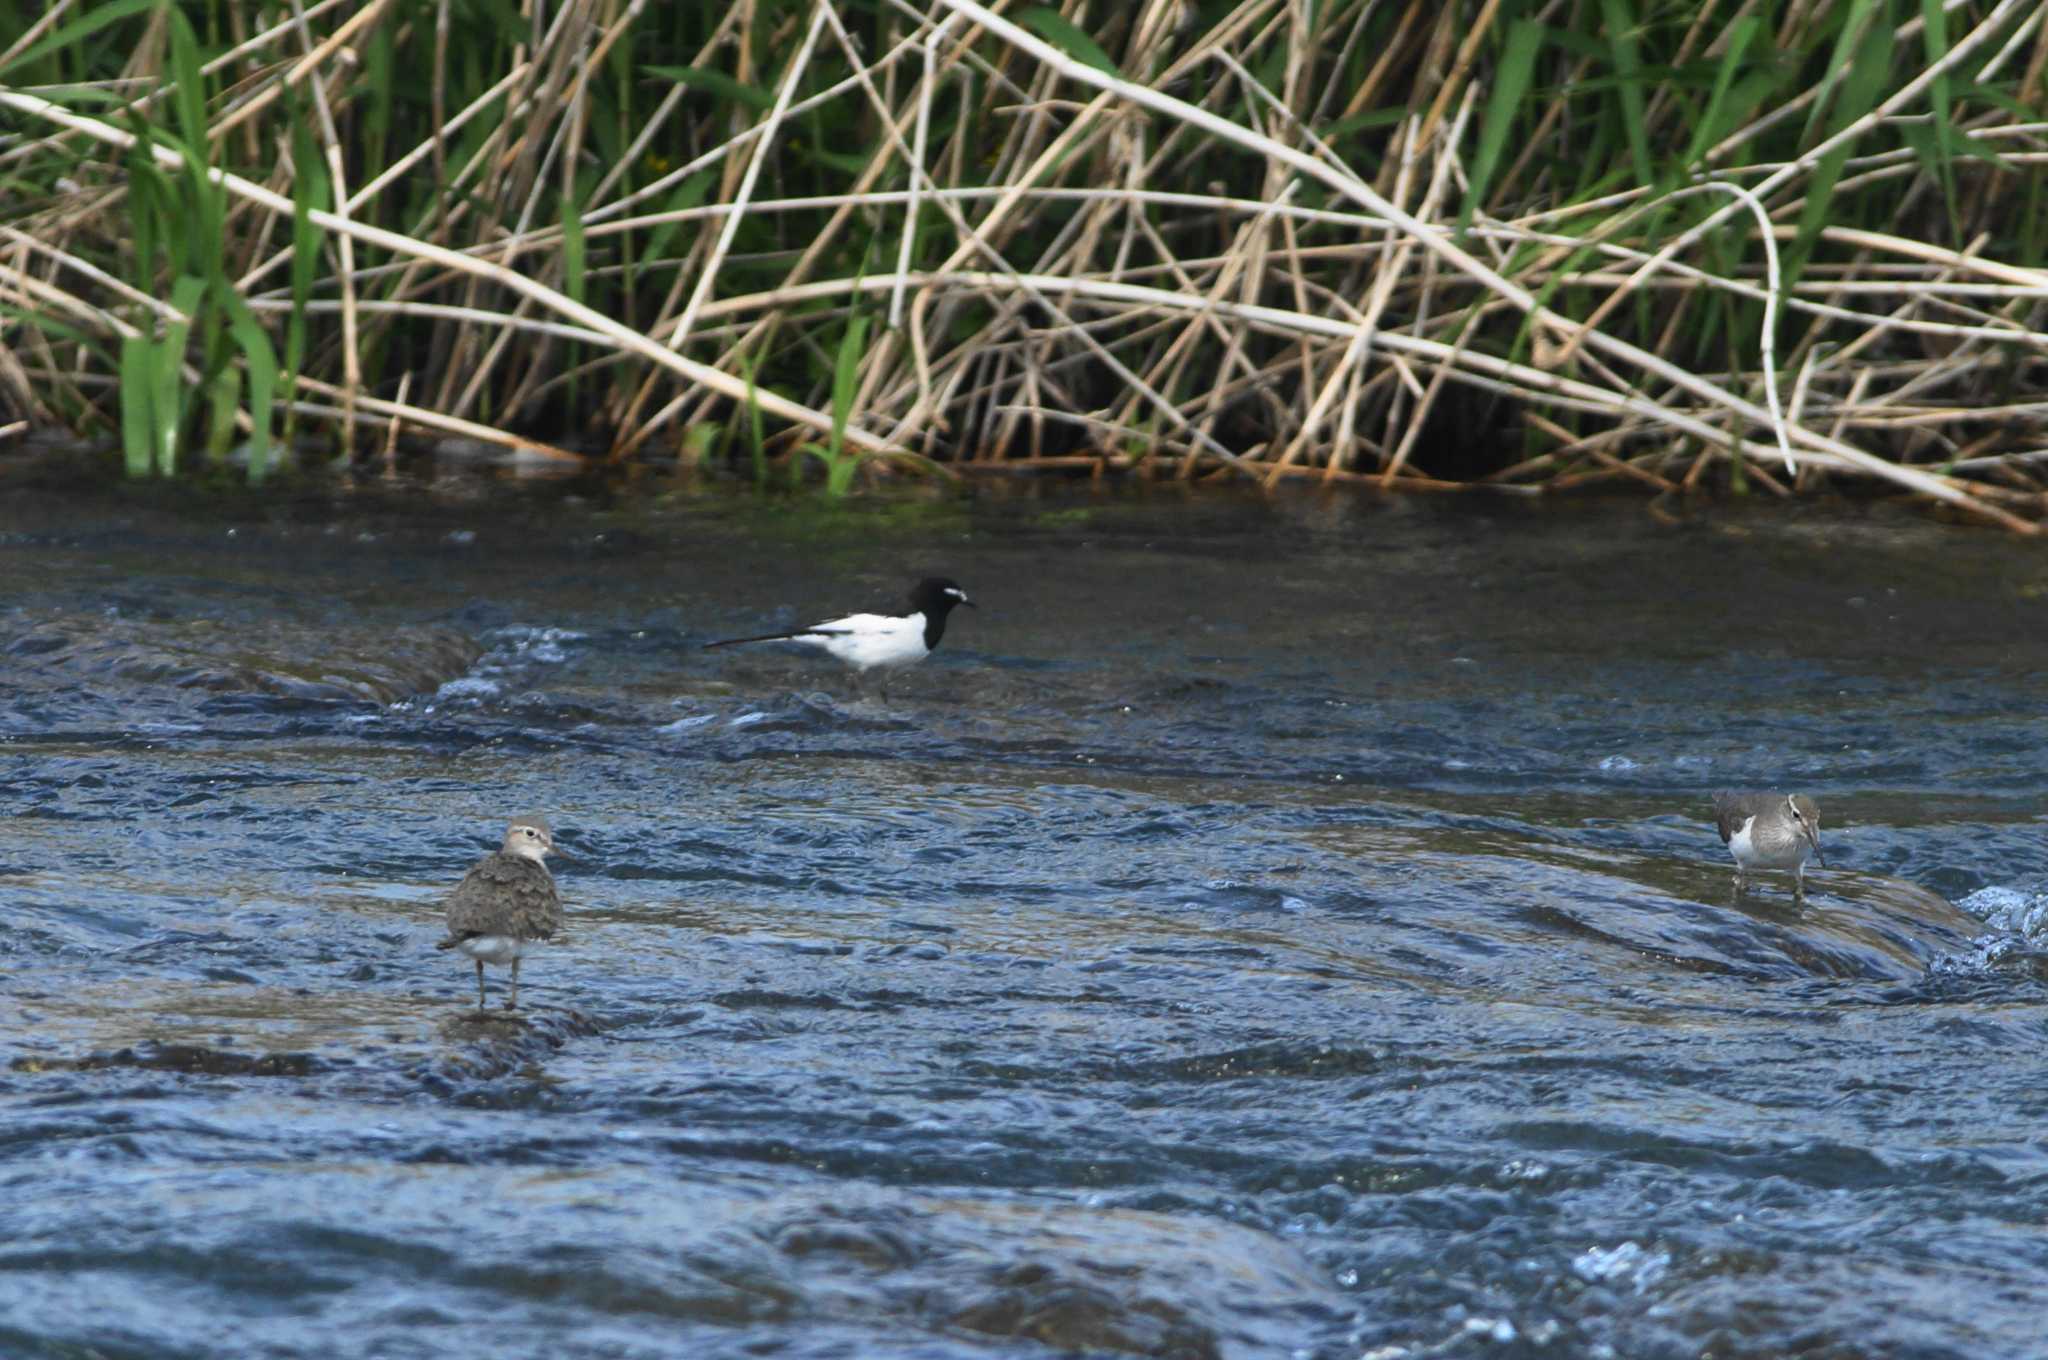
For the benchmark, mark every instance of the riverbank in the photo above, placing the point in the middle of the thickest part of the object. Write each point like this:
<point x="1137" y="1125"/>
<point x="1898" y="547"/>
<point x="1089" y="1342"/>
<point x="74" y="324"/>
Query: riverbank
<point x="1409" y="245"/>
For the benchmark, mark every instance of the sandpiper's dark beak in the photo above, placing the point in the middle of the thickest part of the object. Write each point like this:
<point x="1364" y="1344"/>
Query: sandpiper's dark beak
<point x="1813" y="839"/>
<point x="969" y="603"/>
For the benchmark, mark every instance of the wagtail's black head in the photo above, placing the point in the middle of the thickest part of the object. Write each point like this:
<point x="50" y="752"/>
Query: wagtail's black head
<point x="935" y="596"/>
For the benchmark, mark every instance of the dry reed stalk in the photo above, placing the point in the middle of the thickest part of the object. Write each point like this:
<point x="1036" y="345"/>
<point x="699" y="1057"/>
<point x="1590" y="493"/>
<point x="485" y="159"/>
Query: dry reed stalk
<point x="391" y="430"/>
<point x="1573" y="332"/>
<point x="337" y="175"/>
<point x="379" y="411"/>
<point x="1425" y="400"/>
<point x="13" y="377"/>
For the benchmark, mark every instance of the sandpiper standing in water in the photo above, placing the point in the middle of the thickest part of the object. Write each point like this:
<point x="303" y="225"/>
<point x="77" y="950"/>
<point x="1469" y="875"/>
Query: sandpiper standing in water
<point x="1770" y="831"/>
<point x="506" y="903"/>
<point x="879" y="641"/>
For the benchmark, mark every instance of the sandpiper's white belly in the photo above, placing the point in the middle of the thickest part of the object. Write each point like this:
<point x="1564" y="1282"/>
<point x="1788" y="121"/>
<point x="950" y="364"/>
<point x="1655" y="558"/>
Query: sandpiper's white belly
<point x="497" y="949"/>
<point x="1750" y="855"/>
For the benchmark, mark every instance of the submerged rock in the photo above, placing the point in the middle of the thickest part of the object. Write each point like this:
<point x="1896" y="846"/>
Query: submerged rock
<point x="192" y="1058"/>
<point x="262" y="657"/>
<point x="492" y="1044"/>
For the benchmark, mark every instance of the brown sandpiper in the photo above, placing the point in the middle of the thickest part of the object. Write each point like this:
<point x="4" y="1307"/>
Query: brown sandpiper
<point x="506" y="903"/>
<point x="1770" y="831"/>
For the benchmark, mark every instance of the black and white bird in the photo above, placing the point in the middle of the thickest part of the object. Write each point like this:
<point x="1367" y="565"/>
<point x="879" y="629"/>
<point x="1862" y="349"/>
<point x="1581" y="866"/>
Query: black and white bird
<point x="883" y="642"/>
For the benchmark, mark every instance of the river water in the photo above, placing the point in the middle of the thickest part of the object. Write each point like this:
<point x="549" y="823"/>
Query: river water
<point x="1287" y="928"/>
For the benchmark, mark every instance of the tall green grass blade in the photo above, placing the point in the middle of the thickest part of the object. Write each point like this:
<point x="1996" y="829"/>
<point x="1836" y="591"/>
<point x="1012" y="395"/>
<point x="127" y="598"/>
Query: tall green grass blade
<point x="1720" y="117"/>
<point x="574" y="278"/>
<point x="310" y="194"/>
<point x="1978" y="92"/>
<point x="575" y="275"/>
<point x="223" y="400"/>
<point x="190" y="96"/>
<point x="1503" y="106"/>
<point x="1060" y="31"/>
<point x="1864" y="18"/>
<point x="1860" y="89"/>
<point x="149" y="218"/>
<point x="841" y="466"/>
<point x="1270" y="73"/>
<point x="1961" y="143"/>
<point x="1934" y="38"/>
<point x="200" y="221"/>
<point x="1627" y="60"/>
<point x="188" y="296"/>
<point x="260" y="361"/>
<point x="72" y="35"/>
<point x="379" y="65"/>
<point x="1367" y="119"/>
<point x="685" y="196"/>
<point x="757" y="440"/>
<point x="138" y="395"/>
<point x="2034" y="228"/>
<point x="839" y="477"/>
<point x="717" y="83"/>
<point x="846" y="163"/>
<point x="846" y="375"/>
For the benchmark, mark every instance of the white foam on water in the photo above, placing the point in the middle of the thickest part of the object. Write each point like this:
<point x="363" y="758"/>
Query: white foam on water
<point x="524" y="643"/>
<point x="510" y="650"/>
<point x="2010" y="909"/>
<point x="468" y="687"/>
<point x="1626" y="1263"/>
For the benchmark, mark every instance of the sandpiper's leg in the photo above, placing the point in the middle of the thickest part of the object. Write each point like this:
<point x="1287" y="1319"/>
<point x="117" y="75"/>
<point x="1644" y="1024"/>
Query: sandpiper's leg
<point x="479" y="984"/>
<point x="512" y="1002"/>
<point x="1741" y="882"/>
<point x="1799" y="883"/>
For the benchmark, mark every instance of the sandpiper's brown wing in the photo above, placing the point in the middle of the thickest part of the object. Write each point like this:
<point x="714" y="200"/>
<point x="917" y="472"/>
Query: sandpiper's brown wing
<point x="1731" y="810"/>
<point x="504" y="895"/>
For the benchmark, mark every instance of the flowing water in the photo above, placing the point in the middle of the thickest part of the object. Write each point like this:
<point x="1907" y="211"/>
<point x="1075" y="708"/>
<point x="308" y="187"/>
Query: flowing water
<point x="1262" y="929"/>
